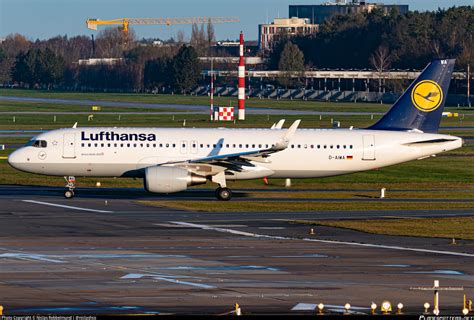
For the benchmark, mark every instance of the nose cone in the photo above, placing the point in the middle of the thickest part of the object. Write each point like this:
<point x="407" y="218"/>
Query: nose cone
<point x="15" y="159"/>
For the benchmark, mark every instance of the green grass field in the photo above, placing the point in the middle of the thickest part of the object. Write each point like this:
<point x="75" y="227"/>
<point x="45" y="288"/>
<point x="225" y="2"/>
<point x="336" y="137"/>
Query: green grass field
<point x="453" y="171"/>
<point x="458" y="228"/>
<point x="27" y="106"/>
<point x="50" y="121"/>
<point x="449" y="176"/>
<point x="450" y="172"/>
<point x="204" y="101"/>
<point x="287" y="206"/>
<point x="196" y="100"/>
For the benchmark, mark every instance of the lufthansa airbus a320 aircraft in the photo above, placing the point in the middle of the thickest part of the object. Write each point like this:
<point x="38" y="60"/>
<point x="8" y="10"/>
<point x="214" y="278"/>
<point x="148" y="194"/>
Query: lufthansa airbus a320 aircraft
<point x="171" y="160"/>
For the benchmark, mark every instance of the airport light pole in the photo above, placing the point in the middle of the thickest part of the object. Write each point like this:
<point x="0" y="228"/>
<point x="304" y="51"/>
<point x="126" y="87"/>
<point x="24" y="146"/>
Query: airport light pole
<point x="436" y="288"/>
<point x="469" y="85"/>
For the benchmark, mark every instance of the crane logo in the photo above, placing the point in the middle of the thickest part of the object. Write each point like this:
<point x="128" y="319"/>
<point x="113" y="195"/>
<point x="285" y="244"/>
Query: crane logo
<point x="427" y="96"/>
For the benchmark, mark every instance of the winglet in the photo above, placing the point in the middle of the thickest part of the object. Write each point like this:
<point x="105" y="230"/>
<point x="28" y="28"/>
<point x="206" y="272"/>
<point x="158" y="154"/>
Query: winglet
<point x="74" y="126"/>
<point x="285" y="139"/>
<point x="280" y="124"/>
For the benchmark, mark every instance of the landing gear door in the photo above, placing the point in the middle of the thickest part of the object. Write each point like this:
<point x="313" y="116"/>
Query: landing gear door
<point x="69" y="145"/>
<point x="369" y="147"/>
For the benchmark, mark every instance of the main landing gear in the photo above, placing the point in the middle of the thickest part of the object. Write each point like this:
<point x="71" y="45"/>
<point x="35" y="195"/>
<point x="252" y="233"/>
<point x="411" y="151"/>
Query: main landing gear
<point x="70" y="185"/>
<point x="222" y="192"/>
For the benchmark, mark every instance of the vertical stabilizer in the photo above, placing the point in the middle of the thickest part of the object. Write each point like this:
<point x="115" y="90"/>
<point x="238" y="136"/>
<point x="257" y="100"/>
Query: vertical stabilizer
<point x="420" y="107"/>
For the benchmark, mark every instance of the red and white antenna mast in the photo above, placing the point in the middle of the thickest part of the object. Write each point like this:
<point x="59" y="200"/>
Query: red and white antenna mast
<point x="212" y="89"/>
<point x="241" y="96"/>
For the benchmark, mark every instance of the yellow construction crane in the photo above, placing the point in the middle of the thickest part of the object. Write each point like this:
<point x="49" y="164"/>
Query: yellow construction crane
<point x="125" y="22"/>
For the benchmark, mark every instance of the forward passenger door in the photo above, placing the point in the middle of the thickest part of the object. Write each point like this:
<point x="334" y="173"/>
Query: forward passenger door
<point x="69" y="145"/>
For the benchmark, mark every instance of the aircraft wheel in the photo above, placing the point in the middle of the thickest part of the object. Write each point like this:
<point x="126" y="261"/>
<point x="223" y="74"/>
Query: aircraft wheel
<point x="223" y="194"/>
<point x="68" y="194"/>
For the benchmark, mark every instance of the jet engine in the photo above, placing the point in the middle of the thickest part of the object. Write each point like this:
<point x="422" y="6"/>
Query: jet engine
<point x="170" y="179"/>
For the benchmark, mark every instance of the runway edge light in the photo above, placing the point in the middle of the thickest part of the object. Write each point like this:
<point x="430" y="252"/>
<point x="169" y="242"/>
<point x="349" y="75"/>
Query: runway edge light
<point x="237" y="310"/>
<point x="399" y="308"/>
<point x="427" y="307"/>
<point x="347" y="307"/>
<point x="321" y="308"/>
<point x="373" y="307"/>
<point x="386" y="307"/>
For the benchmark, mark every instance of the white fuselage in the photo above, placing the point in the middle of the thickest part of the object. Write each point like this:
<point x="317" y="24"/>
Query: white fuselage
<point x="116" y="152"/>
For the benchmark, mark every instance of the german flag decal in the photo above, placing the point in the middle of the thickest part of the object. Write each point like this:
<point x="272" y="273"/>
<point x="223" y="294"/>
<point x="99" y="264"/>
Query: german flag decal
<point x="349" y="157"/>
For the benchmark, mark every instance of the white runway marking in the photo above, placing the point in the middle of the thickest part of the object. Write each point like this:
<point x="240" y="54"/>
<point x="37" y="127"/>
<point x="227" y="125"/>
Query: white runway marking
<point x="355" y="244"/>
<point x="272" y="228"/>
<point x="29" y="256"/>
<point x="167" y="278"/>
<point x="66" y="207"/>
<point x="335" y="308"/>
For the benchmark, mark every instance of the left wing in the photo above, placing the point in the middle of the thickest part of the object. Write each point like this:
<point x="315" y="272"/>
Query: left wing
<point x="234" y="161"/>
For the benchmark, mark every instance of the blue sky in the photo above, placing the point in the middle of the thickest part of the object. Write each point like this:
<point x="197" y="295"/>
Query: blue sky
<point x="46" y="18"/>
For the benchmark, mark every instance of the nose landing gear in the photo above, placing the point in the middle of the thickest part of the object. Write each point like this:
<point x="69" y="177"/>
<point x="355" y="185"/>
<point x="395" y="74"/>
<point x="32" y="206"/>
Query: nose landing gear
<point x="70" y="185"/>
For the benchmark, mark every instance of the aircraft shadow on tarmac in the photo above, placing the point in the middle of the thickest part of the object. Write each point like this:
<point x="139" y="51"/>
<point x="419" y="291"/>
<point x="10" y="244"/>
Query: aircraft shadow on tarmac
<point x="110" y="193"/>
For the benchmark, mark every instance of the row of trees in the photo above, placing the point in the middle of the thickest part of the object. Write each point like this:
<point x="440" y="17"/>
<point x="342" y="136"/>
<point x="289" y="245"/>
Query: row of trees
<point x="370" y="40"/>
<point x="179" y="72"/>
<point x="366" y="40"/>
<point x="54" y="62"/>
<point x="38" y="66"/>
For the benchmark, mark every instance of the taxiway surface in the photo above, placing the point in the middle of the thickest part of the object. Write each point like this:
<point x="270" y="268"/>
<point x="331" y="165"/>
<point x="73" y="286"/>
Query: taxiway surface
<point x="108" y="254"/>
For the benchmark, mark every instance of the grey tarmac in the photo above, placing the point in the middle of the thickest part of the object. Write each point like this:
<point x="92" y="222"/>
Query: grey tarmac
<point x="109" y="254"/>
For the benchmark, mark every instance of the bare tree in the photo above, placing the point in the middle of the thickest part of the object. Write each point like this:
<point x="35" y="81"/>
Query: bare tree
<point x="436" y="47"/>
<point x="198" y="40"/>
<point x="292" y="63"/>
<point x="381" y="60"/>
<point x="211" y="37"/>
<point x="9" y="49"/>
<point x="112" y="42"/>
<point x="180" y="37"/>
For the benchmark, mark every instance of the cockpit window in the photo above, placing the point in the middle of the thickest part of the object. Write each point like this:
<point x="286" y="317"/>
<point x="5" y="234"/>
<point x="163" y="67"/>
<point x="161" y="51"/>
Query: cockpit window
<point x="37" y="143"/>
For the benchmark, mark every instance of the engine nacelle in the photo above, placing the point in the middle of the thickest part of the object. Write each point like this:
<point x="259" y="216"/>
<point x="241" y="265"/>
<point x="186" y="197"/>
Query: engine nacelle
<point x="170" y="179"/>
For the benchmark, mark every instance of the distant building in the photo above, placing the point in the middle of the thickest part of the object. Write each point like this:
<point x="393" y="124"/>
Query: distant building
<point x="268" y="33"/>
<point x="231" y="48"/>
<point x="100" y="61"/>
<point x="317" y="14"/>
<point x="234" y="60"/>
<point x="227" y="43"/>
